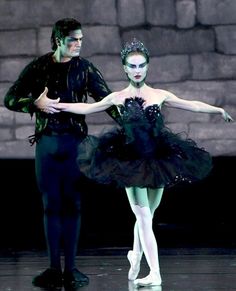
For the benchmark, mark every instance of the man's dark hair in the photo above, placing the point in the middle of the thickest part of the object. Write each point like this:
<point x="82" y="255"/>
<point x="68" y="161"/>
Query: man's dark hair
<point x="62" y="28"/>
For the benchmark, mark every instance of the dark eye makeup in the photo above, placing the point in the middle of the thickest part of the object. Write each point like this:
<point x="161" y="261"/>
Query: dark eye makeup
<point x="132" y="66"/>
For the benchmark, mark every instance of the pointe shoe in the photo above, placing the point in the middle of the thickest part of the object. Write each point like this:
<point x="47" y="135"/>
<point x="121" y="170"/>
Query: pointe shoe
<point x="134" y="259"/>
<point x="153" y="279"/>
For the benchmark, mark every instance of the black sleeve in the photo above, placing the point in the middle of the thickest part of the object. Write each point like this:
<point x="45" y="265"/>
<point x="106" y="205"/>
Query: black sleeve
<point x="19" y="96"/>
<point x="98" y="89"/>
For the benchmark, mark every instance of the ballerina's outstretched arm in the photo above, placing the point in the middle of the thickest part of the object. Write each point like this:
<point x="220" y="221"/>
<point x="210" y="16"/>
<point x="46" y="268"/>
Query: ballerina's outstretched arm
<point x="196" y="106"/>
<point x="86" y="108"/>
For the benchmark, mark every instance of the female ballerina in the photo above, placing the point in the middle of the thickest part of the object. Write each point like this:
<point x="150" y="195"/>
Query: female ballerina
<point x="143" y="156"/>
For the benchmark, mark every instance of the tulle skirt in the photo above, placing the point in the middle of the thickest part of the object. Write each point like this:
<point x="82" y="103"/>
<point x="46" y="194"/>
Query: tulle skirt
<point x="153" y="161"/>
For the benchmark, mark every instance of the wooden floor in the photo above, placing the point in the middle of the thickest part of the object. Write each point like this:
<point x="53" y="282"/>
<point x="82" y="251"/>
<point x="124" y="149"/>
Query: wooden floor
<point x="182" y="269"/>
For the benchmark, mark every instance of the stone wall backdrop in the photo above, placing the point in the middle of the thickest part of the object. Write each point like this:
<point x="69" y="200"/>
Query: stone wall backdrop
<point x="193" y="54"/>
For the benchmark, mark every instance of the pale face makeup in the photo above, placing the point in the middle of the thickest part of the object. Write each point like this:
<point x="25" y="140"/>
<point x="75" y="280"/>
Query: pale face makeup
<point x="70" y="46"/>
<point x="136" y="68"/>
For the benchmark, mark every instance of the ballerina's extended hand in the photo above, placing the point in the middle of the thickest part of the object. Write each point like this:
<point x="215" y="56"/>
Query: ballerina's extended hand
<point x="226" y="116"/>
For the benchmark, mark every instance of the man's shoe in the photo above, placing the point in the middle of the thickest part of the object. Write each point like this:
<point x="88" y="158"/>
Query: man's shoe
<point x="49" y="278"/>
<point x="75" y="278"/>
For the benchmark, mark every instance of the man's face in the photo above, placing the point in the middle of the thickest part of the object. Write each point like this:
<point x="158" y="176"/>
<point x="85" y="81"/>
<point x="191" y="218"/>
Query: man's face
<point x="70" y="46"/>
<point x="136" y="67"/>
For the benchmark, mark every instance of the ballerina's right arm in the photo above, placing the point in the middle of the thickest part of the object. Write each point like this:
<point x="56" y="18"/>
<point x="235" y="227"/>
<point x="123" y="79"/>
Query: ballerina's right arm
<point x="87" y="108"/>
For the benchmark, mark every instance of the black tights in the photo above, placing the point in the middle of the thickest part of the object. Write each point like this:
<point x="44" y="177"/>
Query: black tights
<point x="57" y="176"/>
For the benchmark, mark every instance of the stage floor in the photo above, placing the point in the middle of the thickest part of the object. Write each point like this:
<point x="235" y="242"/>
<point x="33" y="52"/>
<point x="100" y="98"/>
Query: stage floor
<point x="182" y="269"/>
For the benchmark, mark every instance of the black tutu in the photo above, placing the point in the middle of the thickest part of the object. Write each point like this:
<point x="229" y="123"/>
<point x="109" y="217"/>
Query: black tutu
<point x="143" y="152"/>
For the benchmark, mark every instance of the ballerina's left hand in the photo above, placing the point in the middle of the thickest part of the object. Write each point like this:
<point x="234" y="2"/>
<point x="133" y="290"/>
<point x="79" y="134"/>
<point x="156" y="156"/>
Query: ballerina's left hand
<point x="226" y="116"/>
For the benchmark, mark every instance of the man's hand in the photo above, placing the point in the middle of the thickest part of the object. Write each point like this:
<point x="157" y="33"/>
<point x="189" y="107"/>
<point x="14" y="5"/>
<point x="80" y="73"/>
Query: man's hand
<point x="46" y="104"/>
